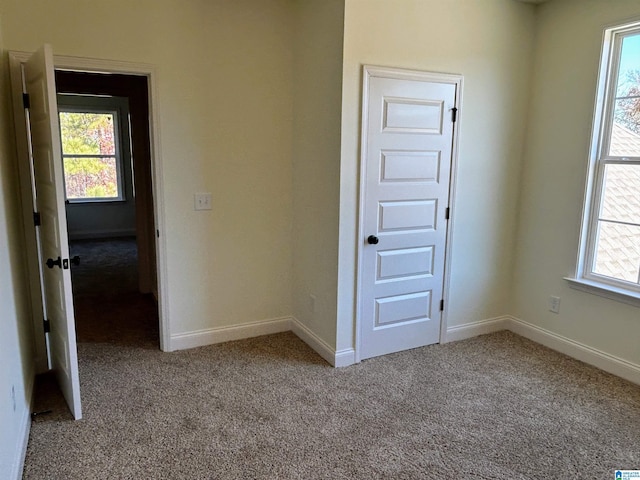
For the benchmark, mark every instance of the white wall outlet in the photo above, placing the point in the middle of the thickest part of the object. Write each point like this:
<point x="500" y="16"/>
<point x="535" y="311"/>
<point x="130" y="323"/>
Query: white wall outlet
<point x="554" y="304"/>
<point x="202" y="201"/>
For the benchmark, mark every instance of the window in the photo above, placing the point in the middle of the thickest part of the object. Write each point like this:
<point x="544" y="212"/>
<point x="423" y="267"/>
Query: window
<point x="91" y="154"/>
<point x="610" y="244"/>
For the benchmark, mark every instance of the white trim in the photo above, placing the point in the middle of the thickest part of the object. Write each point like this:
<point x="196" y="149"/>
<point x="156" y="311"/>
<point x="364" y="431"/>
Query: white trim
<point x="210" y="336"/>
<point x="473" y="329"/>
<point x="102" y="66"/>
<point x="599" y="158"/>
<point x="27" y="201"/>
<point x="22" y="440"/>
<point x="579" y="351"/>
<point x="407" y="74"/>
<point x="404" y="74"/>
<point x="339" y="358"/>
<point x="316" y="343"/>
<point x="345" y="358"/>
<point x="592" y="356"/>
<point x="95" y="65"/>
<point x="608" y="291"/>
<point x="453" y="181"/>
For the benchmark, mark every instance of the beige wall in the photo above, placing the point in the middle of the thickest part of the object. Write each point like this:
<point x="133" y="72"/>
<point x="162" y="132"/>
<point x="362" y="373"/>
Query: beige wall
<point x="490" y="43"/>
<point x="557" y="147"/>
<point x="17" y="367"/>
<point x="259" y="102"/>
<point x="224" y="107"/>
<point x="316" y="163"/>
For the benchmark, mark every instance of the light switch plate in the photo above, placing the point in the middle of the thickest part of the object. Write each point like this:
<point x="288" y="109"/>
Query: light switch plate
<point x="202" y="201"/>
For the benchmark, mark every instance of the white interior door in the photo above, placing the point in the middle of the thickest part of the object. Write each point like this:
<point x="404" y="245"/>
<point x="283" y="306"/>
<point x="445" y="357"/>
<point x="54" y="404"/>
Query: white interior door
<point x="408" y="126"/>
<point x="45" y="152"/>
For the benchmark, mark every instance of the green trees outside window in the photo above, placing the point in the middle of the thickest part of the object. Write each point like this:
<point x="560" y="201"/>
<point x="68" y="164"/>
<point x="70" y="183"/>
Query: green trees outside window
<point x="90" y="155"/>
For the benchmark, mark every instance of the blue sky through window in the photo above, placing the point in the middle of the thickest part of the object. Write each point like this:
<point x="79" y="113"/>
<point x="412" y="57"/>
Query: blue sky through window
<point x="629" y="62"/>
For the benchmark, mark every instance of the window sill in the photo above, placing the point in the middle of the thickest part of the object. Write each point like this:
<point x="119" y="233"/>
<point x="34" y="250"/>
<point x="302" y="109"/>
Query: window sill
<point x="608" y="291"/>
<point x="96" y="201"/>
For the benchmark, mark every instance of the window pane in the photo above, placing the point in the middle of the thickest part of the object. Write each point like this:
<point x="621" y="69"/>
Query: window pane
<point x="87" y="133"/>
<point x="618" y="251"/>
<point x="625" y="134"/>
<point x="91" y="178"/>
<point x="621" y="193"/>
<point x="629" y="73"/>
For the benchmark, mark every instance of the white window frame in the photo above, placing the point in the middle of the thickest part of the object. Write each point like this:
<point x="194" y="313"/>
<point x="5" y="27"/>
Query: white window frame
<point x="101" y="105"/>
<point x="599" y="157"/>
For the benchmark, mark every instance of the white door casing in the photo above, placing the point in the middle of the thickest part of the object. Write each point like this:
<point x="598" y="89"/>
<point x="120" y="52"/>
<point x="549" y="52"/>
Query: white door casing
<point x="407" y="151"/>
<point x="39" y="81"/>
<point x="16" y="64"/>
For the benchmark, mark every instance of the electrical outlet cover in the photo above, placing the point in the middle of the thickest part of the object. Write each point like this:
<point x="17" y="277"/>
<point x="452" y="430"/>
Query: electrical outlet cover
<point x="202" y="201"/>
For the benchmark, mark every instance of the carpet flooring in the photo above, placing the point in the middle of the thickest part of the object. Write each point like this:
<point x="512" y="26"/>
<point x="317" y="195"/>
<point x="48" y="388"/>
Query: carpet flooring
<point x="493" y="407"/>
<point x="108" y="307"/>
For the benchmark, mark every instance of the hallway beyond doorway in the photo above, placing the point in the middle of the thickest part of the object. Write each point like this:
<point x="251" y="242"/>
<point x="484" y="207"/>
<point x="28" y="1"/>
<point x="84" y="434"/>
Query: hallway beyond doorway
<point x="108" y="306"/>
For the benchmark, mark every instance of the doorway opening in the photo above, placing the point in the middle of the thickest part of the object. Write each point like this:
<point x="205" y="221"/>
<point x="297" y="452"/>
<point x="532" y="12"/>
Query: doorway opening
<point x="42" y="188"/>
<point x="109" y="206"/>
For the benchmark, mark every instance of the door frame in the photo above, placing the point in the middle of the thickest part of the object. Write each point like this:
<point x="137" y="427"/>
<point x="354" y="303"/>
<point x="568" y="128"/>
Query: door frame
<point x="369" y="71"/>
<point x="81" y="64"/>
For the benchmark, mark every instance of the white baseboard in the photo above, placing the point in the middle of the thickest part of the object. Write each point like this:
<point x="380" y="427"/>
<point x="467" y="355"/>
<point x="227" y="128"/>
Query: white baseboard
<point x="340" y="358"/>
<point x="603" y="361"/>
<point x="25" y="428"/>
<point x="315" y="342"/>
<point x="200" y="338"/>
<point x="345" y="357"/>
<point x="210" y="336"/>
<point x="473" y="329"/>
<point x="592" y="356"/>
<point x="91" y="234"/>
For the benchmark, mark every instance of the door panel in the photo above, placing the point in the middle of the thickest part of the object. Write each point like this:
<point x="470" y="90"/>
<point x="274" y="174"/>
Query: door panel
<point x="47" y="166"/>
<point x="407" y="153"/>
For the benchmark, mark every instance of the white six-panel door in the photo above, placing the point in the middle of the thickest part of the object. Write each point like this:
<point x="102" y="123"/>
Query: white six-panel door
<point x="46" y="157"/>
<point x="408" y="128"/>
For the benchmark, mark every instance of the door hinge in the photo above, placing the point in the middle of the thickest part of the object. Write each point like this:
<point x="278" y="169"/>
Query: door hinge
<point x="454" y="114"/>
<point x="26" y="100"/>
<point x="446" y="213"/>
<point x="442" y="305"/>
<point x="47" y="325"/>
<point x="37" y="219"/>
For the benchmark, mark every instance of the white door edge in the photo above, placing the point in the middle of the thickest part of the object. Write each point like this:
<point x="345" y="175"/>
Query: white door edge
<point x="32" y="255"/>
<point x="370" y="71"/>
<point x="16" y="59"/>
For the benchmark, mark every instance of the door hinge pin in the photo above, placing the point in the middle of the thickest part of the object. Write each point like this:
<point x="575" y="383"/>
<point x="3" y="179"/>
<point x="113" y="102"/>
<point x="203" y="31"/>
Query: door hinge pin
<point x="47" y="325"/>
<point x="37" y="219"/>
<point x="442" y="305"/>
<point x="454" y="114"/>
<point x="446" y="213"/>
<point x="26" y="101"/>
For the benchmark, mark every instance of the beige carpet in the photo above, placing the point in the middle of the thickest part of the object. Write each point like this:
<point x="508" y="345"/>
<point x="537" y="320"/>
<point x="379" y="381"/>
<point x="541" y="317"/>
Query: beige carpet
<point x="493" y="407"/>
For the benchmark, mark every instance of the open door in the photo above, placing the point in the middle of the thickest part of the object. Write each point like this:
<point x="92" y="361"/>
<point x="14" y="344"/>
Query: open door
<point x="46" y="159"/>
